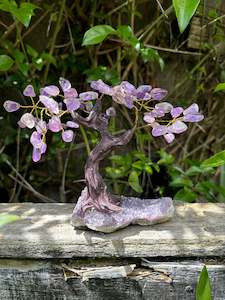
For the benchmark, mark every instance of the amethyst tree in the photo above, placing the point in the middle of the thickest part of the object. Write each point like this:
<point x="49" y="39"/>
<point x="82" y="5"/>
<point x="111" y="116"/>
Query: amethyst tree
<point x="63" y="110"/>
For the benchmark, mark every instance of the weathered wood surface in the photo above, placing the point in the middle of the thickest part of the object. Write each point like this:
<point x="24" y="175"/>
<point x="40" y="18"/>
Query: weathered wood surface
<point x="49" y="280"/>
<point x="41" y="256"/>
<point x="44" y="231"/>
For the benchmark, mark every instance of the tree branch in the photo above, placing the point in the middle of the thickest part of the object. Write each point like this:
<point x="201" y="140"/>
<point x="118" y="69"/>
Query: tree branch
<point x="124" y="138"/>
<point x="91" y="119"/>
<point x="80" y="120"/>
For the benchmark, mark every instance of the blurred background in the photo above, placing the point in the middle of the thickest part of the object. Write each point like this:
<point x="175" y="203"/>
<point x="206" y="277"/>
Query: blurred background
<point x="43" y="40"/>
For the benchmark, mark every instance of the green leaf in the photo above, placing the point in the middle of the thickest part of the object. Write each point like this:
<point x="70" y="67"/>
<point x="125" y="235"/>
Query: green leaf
<point x="184" y="10"/>
<point x="18" y="56"/>
<point x="125" y="160"/>
<point x="220" y="87"/>
<point x="216" y="160"/>
<point x="133" y="181"/>
<point x="148" y="169"/>
<point x="97" y="34"/>
<point x="203" y="290"/>
<point x="117" y="159"/>
<point x="181" y="182"/>
<point x="102" y="72"/>
<point x="24" y="68"/>
<point x="143" y="137"/>
<point x="115" y="173"/>
<point x="31" y="51"/>
<point x="139" y="164"/>
<point x="48" y="58"/>
<point x="165" y="158"/>
<point x="156" y="167"/>
<point x="185" y="195"/>
<point x="149" y="54"/>
<point x="139" y="155"/>
<point x="6" y="62"/>
<point x="24" y="13"/>
<point x="178" y="170"/>
<point x="8" y="6"/>
<point x="7" y="218"/>
<point x="208" y="186"/>
<point x="126" y="34"/>
<point x="195" y="170"/>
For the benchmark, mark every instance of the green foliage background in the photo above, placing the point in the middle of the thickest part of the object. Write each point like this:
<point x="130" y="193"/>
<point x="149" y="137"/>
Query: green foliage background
<point x="137" y="40"/>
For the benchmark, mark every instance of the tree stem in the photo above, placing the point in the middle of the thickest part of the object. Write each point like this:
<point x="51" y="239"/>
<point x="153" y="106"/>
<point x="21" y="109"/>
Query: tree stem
<point x="96" y="195"/>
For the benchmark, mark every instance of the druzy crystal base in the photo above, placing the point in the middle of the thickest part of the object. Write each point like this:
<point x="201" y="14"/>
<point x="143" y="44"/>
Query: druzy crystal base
<point x="133" y="211"/>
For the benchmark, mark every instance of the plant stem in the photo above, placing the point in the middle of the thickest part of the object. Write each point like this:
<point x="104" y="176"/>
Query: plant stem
<point x="62" y="190"/>
<point x="84" y="135"/>
<point x="57" y="28"/>
<point x="13" y="197"/>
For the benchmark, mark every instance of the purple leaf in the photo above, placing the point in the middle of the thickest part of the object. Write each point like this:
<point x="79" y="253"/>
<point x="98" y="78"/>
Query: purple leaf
<point x="121" y="96"/>
<point x="28" y="120"/>
<point x="87" y="96"/>
<point x="153" y="113"/>
<point x="50" y="104"/>
<point x="67" y="136"/>
<point x="36" y="140"/>
<point x="148" y="118"/>
<point x="193" y="118"/>
<point x="169" y="137"/>
<point x="71" y="93"/>
<point x="158" y="112"/>
<point x="159" y="130"/>
<point x="20" y="124"/>
<point x="43" y="148"/>
<point x="128" y="101"/>
<point x="43" y="93"/>
<point x="193" y="109"/>
<point x="72" y="104"/>
<point x="128" y="87"/>
<point x="51" y="90"/>
<point x="41" y="126"/>
<point x="72" y="124"/>
<point x="158" y="94"/>
<point x="102" y="87"/>
<point x="143" y="92"/>
<point x="36" y="155"/>
<point x="176" y="111"/>
<point x="155" y="124"/>
<point x="65" y="84"/>
<point x="37" y="152"/>
<point x="144" y="88"/>
<point x="11" y="106"/>
<point x="29" y="91"/>
<point x="191" y="114"/>
<point x="177" y="127"/>
<point x="54" y="124"/>
<point x="165" y="106"/>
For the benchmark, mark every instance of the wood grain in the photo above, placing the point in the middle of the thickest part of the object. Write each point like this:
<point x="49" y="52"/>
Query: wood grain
<point x="46" y="280"/>
<point x="43" y="257"/>
<point x="44" y="231"/>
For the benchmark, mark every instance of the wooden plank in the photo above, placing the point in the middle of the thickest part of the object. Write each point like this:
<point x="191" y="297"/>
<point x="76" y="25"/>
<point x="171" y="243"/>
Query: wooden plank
<point x="38" y="279"/>
<point x="44" y="231"/>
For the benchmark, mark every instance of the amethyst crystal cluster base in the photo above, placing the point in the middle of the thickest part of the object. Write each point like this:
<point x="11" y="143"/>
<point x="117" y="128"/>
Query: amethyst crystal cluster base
<point x="133" y="211"/>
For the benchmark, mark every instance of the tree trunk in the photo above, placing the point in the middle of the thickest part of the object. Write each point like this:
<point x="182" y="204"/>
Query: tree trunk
<point x="95" y="195"/>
